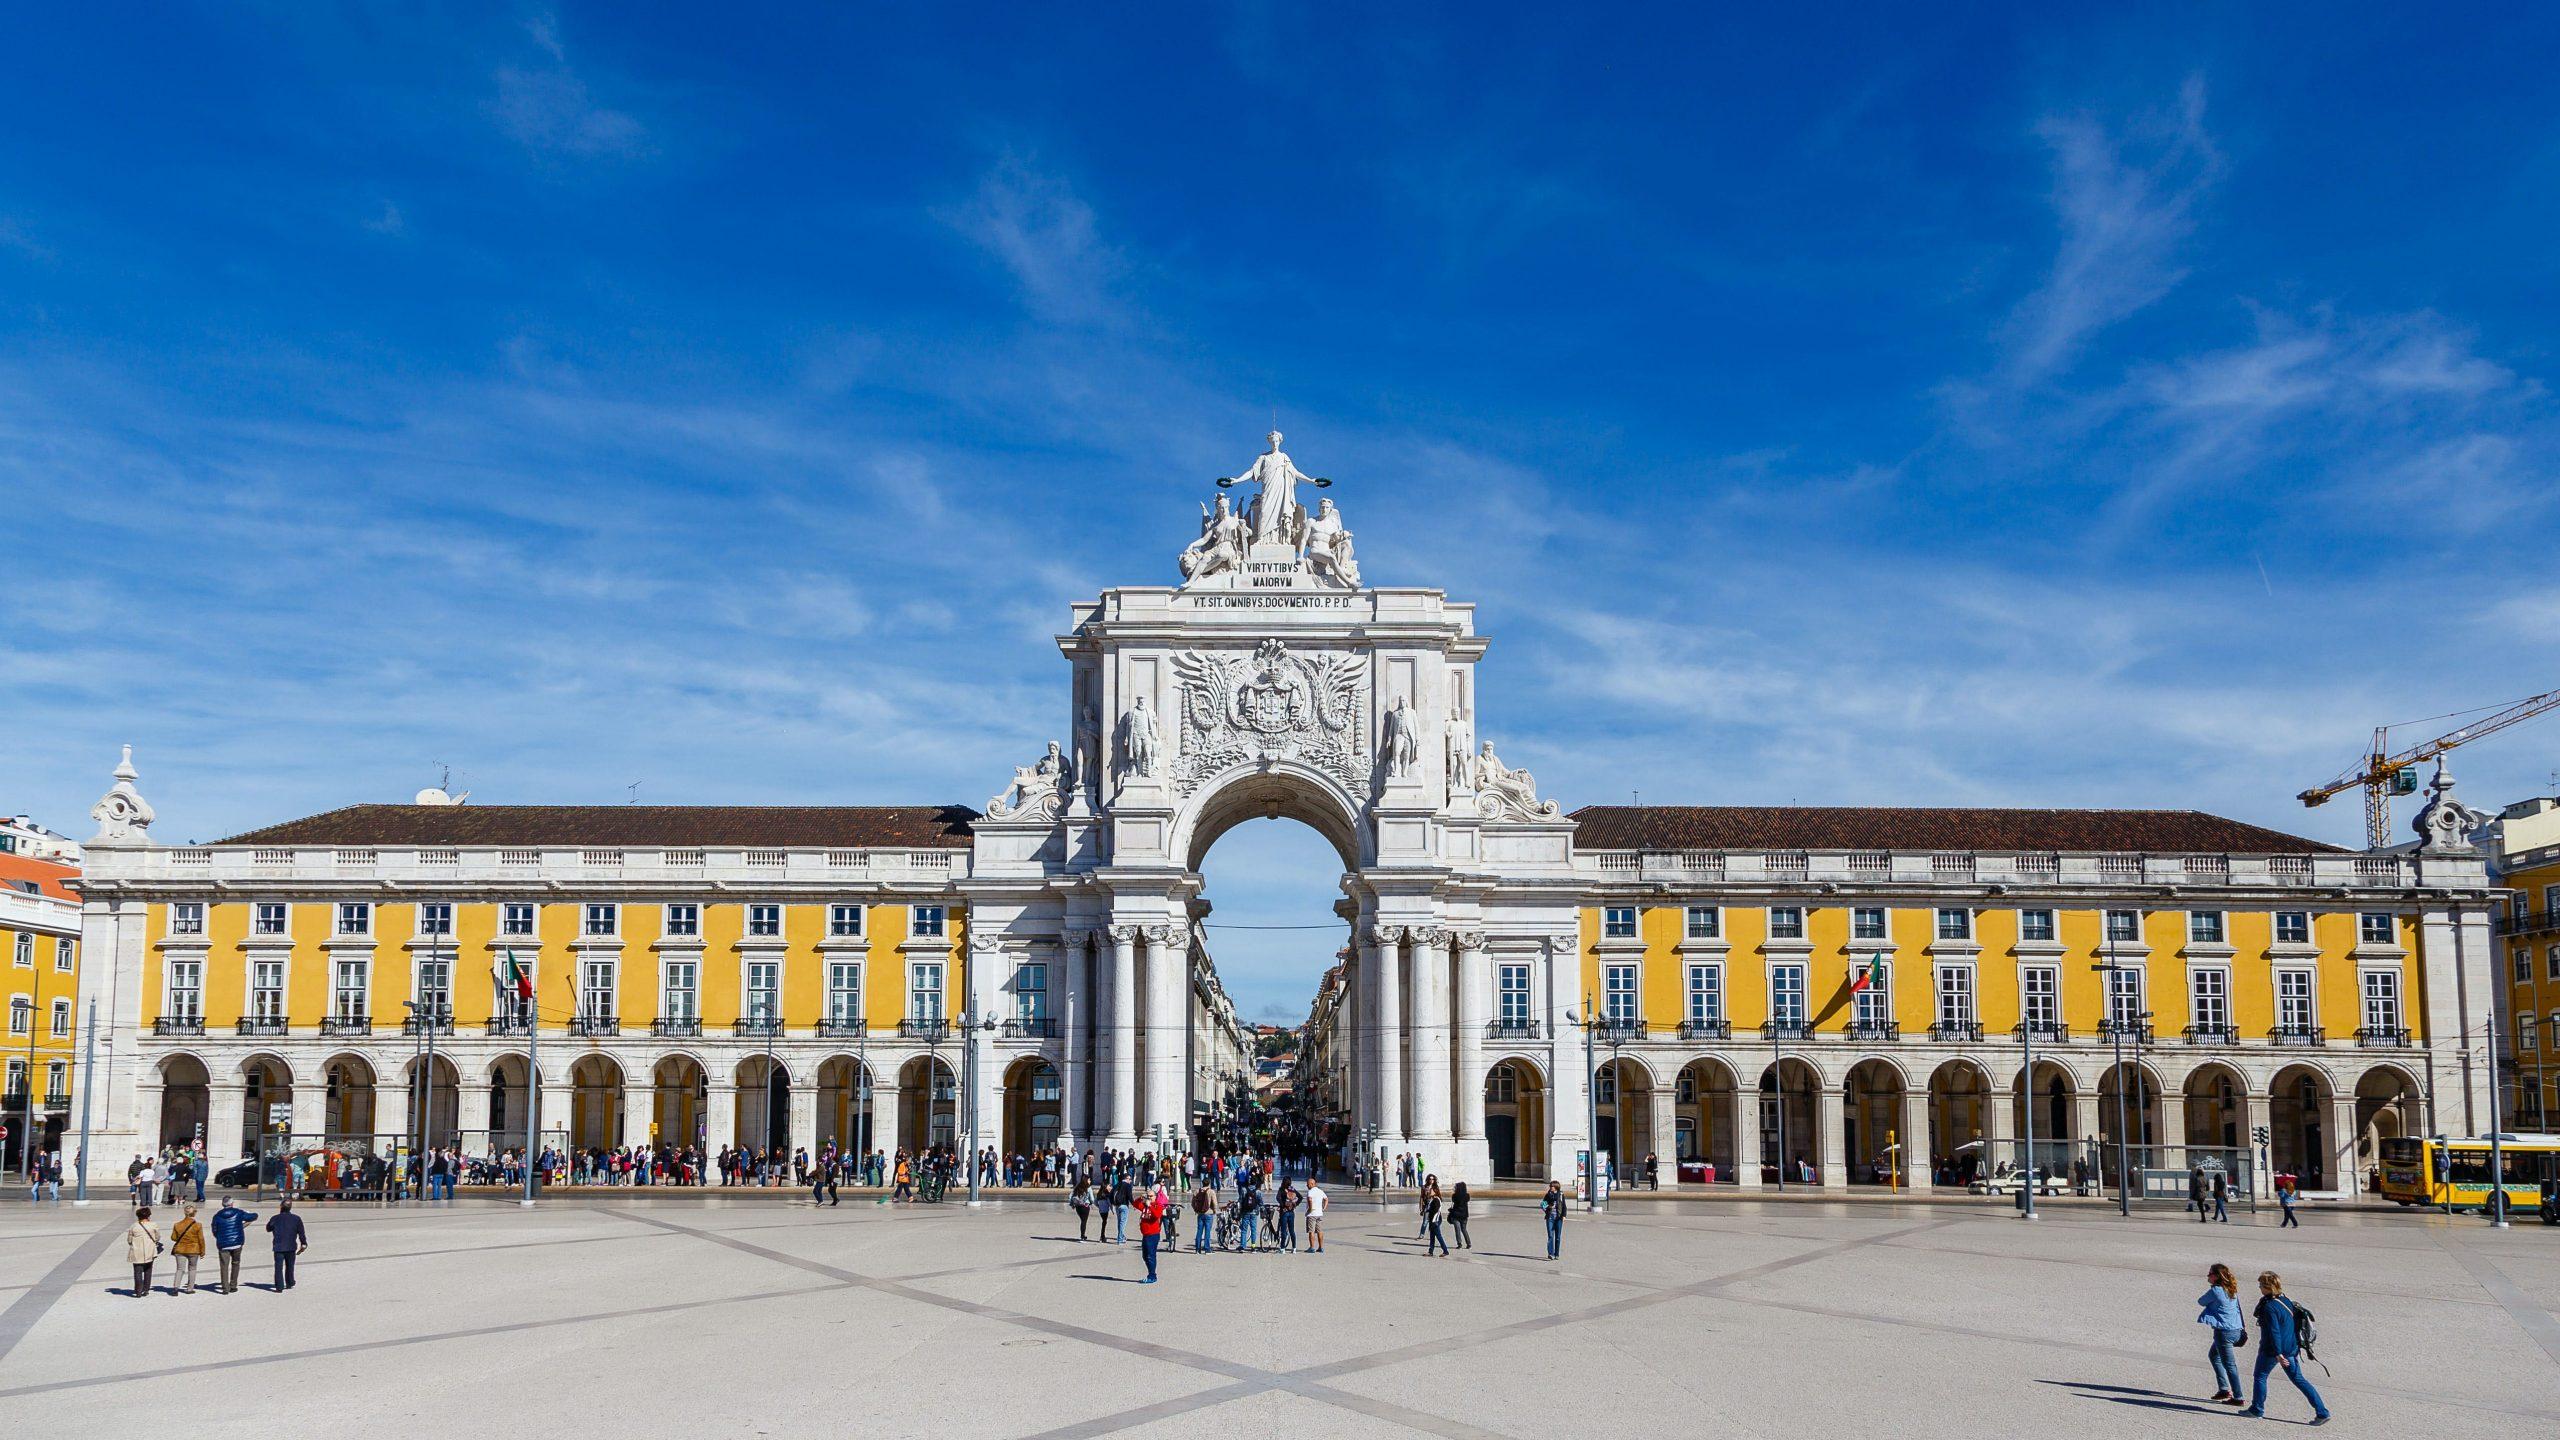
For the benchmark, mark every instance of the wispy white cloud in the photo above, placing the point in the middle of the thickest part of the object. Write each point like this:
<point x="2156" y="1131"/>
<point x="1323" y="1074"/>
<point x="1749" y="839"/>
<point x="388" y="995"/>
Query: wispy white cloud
<point x="1045" y="236"/>
<point x="546" y="105"/>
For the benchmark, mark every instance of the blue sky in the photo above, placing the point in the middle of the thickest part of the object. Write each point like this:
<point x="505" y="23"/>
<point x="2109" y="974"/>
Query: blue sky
<point x="1911" y="407"/>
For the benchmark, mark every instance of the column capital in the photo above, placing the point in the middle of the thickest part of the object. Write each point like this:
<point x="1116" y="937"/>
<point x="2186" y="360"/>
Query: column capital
<point x="1165" y="935"/>
<point x="1123" y="934"/>
<point x="1385" y="934"/>
<point x="1471" y="940"/>
<point x="1429" y="934"/>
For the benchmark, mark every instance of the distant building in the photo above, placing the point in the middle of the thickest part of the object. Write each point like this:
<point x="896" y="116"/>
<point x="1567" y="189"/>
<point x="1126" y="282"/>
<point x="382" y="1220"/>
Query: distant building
<point x="39" y="988"/>
<point x="2526" y="859"/>
<point x="22" y="836"/>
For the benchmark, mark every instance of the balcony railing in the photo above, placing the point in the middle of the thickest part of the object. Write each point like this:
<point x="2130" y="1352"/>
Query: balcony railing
<point x="262" y="1025"/>
<point x="1514" y="1030"/>
<point x="932" y="1032"/>
<point x="2137" y="1031"/>
<point x="2212" y="1035"/>
<point x="595" y="1024"/>
<point x="1786" y="1030"/>
<point x="1875" y="1030"/>
<point x="2384" y="1037"/>
<point x="842" y="1029"/>
<point x="1031" y="1027"/>
<point x="174" y="1025"/>
<point x="759" y="1027"/>
<point x="2298" y="1035"/>
<point x="1956" y="1031"/>
<point x="1618" y="1027"/>
<point x="2531" y="922"/>
<point x="346" y="1024"/>
<point x="684" y="1028"/>
<point x="509" y="1025"/>
<point x="441" y="1022"/>
<point x="2051" y="1032"/>
<point x="1718" y="1028"/>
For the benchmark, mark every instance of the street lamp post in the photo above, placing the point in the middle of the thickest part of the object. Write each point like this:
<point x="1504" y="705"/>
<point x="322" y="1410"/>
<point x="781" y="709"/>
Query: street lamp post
<point x="970" y="1027"/>
<point x="2117" y="1020"/>
<point x="2027" y="1115"/>
<point x="1591" y="1098"/>
<point x="88" y="1082"/>
<point x="2497" y="1154"/>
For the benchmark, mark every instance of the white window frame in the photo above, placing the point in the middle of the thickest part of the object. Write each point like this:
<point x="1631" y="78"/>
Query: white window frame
<point x="1961" y="929"/>
<point x="2309" y="998"/>
<point x="22" y="1014"/>
<point x="683" y="920"/>
<point x="2301" y="916"/>
<point x="1503" y="993"/>
<point x="1622" y="992"/>
<point x="1969" y="1012"/>
<point x="844" y="1002"/>
<point x="918" y="991"/>
<point x="2050" y="992"/>
<point x="1786" y="922"/>
<point x="929" y="922"/>
<point x="66" y="954"/>
<point x="1798" y="1013"/>
<point x="184" y="978"/>
<point x="600" y="920"/>
<point x="2208" y="927"/>
<point x="2218" y="994"/>
<point x="2122" y="992"/>
<point x="2122" y="927"/>
<point x="1859" y="929"/>
<point x="435" y="919"/>
<point x="186" y="917"/>
<point x="271" y="918"/>
<point x="2366" y="927"/>
<point x="431" y="984"/>
<point x="352" y="919"/>
<point x="25" y="958"/>
<point x="680" y="1002"/>
<point x="599" y="1001"/>
<point x="510" y="912"/>
<point x="1031" y="990"/>
<point x="1619" y="922"/>
<point x="351" y="1000"/>
<point x="839" y="927"/>
<point x="764" y="920"/>
<point x="1704" y="982"/>
<point x="2035" y="918"/>
<point x="1873" y="1006"/>
<point x="270" y="1002"/>
<point x="1712" y="929"/>
<point x="749" y="989"/>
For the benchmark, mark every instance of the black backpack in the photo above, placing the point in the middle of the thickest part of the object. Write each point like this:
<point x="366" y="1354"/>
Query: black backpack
<point x="2306" y="1331"/>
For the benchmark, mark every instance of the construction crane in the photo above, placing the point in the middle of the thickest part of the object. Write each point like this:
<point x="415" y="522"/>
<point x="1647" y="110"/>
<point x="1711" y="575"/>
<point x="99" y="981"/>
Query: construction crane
<point x="2384" y="773"/>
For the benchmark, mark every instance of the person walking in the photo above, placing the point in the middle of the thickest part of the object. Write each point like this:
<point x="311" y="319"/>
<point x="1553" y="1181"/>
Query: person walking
<point x="186" y="1242"/>
<point x="1317" y="1200"/>
<point x="2285" y="1196"/>
<point x="2221" y="1198"/>
<point x="1552" y="1207"/>
<point x="2280" y="1324"/>
<point x="1151" y="1210"/>
<point x="142" y="1249"/>
<point x="199" y="1167"/>
<point x="1122" y="1197"/>
<point x="1458" y="1204"/>
<point x="905" y="1188"/>
<point x="230" y="1235"/>
<point x="1204" y="1215"/>
<point x="1433" y="1239"/>
<point x="2219" y="1310"/>
<point x="1080" y="1200"/>
<point x="2197" y="1191"/>
<point x="1289" y="1202"/>
<point x="287" y="1238"/>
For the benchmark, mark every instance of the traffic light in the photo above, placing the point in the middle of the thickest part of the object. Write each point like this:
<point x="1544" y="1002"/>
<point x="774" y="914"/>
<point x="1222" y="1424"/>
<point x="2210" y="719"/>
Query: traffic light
<point x="2259" y="1134"/>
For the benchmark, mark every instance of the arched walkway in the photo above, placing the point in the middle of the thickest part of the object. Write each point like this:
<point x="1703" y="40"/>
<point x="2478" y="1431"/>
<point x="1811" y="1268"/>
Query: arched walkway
<point x="2388" y="1107"/>
<point x="2299" y="1128"/>
<point x="2216" y="1117"/>
<point x="442" y="1109"/>
<point x="1032" y="1097"/>
<point x="1626" y="1103"/>
<point x="349" y="1111"/>
<point x="1709" y="1118"/>
<point x="1871" y="1123"/>
<point x="507" y="1092"/>
<point x="2057" y="1135"/>
<point x="764" y="1104"/>
<point x="680" y="1104"/>
<point x="595" y="1102"/>
<point x="928" y="1114"/>
<point x="1790" y="1123"/>
<point x="1959" y="1121"/>
<point x="2139" y="1091"/>
<point x="186" y="1101"/>
<point x="1515" y="1119"/>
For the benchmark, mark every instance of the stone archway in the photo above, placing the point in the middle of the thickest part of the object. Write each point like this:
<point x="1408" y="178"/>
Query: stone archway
<point x="1791" y="1123"/>
<point x="2136" y="1089"/>
<point x="1961" y="1120"/>
<point x="348" y="1111"/>
<point x="595" y="1103"/>
<point x="1709" y="1124"/>
<point x="2388" y="1107"/>
<point x="1515" y="1109"/>
<point x="442" y="1105"/>
<point x="928" y="1113"/>
<point x="266" y="1082"/>
<point x="2055" y="1118"/>
<point x="186" y="1101"/>
<point x="2216" y="1097"/>
<point x="844" y="1105"/>
<point x="1872" y="1112"/>
<point x="1033" y="1097"/>
<point x="1628" y="1104"/>
<point x="763" y="1104"/>
<point x="2300" y="1132"/>
<point x="680" y="1104"/>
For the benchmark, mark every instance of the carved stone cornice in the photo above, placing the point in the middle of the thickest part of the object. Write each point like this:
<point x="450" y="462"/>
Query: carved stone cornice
<point x="1123" y="934"/>
<point x="1164" y="935"/>
<point x="1429" y="934"/>
<point x="1468" y="939"/>
<point x="1385" y="934"/>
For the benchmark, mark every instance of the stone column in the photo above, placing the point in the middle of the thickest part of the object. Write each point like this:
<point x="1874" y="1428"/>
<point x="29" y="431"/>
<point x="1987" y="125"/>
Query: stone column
<point x="1168" y="1026"/>
<point x="1914" y="1139"/>
<point x="1475" y="1015"/>
<point x="800" y="1112"/>
<point x="310" y="1108"/>
<point x="1662" y="1109"/>
<point x="2084" y="1124"/>
<point x="473" y="1115"/>
<point x="1124" y="1038"/>
<point x="720" y="1115"/>
<point x="1386" y="957"/>
<point x="225" y="1099"/>
<point x="391" y="1110"/>
<point x="2258" y="1113"/>
<point x="1428" y="1055"/>
<point x="1076" y="955"/>
<point x="1746" y="1138"/>
<point x="884" y="1119"/>
<point x="1568" y="1076"/>
<point x="2346" y="1179"/>
<point x="1834" y="1112"/>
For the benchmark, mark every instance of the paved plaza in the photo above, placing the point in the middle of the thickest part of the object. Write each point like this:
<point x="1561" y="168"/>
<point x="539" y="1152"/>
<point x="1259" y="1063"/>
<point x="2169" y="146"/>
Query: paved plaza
<point x="761" y="1317"/>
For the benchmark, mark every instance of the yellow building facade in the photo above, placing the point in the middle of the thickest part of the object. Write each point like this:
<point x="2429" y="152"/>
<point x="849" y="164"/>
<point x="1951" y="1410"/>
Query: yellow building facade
<point x="40" y="994"/>
<point x="2528" y="864"/>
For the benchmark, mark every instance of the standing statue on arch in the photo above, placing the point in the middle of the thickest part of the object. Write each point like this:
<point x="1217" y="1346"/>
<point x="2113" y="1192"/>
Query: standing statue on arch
<point x="1275" y="517"/>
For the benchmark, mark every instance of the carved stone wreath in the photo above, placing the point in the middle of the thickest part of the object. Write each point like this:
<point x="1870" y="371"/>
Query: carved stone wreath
<point x="1273" y="705"/>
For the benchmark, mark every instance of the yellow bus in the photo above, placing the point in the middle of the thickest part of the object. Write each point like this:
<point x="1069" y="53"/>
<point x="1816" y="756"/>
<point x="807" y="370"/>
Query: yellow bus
<point x="2456" y="1172"/>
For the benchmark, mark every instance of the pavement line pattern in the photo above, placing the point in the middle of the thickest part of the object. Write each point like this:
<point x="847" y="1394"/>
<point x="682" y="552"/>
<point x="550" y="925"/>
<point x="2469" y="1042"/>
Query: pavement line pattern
<point x="2531" y="1318"/>
<point x="27" y="1309"/>
<point x="397" y="1341"/>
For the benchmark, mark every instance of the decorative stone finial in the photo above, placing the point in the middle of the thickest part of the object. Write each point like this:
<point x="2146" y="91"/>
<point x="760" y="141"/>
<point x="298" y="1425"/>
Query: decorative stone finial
<point x="2445" y="823"/>
<point x="123" y="816"/>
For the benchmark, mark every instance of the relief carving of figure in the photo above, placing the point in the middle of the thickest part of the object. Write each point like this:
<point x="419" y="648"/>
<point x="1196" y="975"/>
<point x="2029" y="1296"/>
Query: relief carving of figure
<point x="1403" y="748"/>
<point x="1140" y="743"/>
<point x="1328" y="545"/>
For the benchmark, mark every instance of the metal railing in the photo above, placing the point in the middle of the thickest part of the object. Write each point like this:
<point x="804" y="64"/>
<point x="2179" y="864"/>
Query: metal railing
<point x="441" y="1021"/>
<point x="2298" y="1035"/>
<point x="1950" y="1031"/>
<point x="2531" y="922"/>
<point x="684" y="1028"/>
<point x="841" y="1029"/>
<point x="1718" y="1028"/>
<point x="1030" y="1027"/>
<point x="509" y="1025"/>
<point x="757" y="1027"/>
<point x="1619" y="1027"/>
<point x="2385" y="1037"/>
<point x="2051" y="1032"/>
<point x="346" y="1024"/>
<point x="1886" y="1030"/>
<point x="1513" y="1030"/>
<point x="915" y="1028"/>
<point x="262" y="1025"/>
<point x="2211" y="1035"/>
<point x="2137" y="1031"/>
<point x="176" y="1025"/>
<point x="1786" y="1030"/>
<point x="595" y="1024"/>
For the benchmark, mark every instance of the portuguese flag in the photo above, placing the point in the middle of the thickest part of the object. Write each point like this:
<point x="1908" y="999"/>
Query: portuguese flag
<point x="1869" y="978"/>
<point x="513" y="975"/>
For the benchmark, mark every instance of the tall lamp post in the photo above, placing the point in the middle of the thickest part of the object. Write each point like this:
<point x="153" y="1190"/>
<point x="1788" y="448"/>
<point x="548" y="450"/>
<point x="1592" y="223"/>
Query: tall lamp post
<point x="1591" y="1102"/>
<point x="970" y="1028"/>
<point x="2118" y="1018"/>
<point x="2027" y="1115"/>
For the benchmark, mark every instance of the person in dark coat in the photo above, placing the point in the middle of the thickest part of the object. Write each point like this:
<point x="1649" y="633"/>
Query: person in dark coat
<point x="288" y="1239"/>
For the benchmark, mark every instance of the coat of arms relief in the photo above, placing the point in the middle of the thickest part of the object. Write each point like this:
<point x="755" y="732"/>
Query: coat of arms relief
<point x="1272" y="705"/>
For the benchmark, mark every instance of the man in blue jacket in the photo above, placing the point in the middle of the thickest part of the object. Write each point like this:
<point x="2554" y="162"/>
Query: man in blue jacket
<point x="286" y="1235"/>
<point x="230" y="1236"/>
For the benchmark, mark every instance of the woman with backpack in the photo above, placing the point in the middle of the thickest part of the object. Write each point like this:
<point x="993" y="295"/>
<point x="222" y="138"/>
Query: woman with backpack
<point x="1458" y="1216"/>
<point x="1081" y="1200"/>
<point x="2220" y="1307"/>
<point x="2284" y="1333"/>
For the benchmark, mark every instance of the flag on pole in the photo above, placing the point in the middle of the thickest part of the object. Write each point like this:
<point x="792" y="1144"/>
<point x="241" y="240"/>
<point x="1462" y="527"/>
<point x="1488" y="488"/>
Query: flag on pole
<point x="1869" y="978"/>
<point x="513" y="975"/>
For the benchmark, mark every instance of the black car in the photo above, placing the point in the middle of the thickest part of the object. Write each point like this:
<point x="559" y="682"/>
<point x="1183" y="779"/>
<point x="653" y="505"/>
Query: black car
<point x="245" y="1174"/>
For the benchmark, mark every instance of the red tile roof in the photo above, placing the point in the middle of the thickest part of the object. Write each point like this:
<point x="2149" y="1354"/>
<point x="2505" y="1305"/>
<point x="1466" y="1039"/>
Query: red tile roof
<point x="18" y="872"/>
<point x="910" y="827"/>
<point x="1791" y="827"/>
